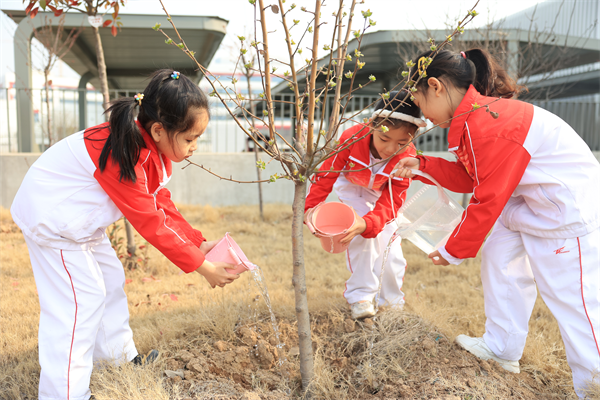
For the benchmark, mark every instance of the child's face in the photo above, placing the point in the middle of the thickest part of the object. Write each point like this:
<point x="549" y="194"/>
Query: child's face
<point x="385" y="144"/>
<point x="184" y="143"/>
<point x="435" y="103"/>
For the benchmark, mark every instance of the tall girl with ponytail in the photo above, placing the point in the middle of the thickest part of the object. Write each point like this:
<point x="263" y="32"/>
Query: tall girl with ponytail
<point x="73" y="192"/>
<point x="536" y="185"/>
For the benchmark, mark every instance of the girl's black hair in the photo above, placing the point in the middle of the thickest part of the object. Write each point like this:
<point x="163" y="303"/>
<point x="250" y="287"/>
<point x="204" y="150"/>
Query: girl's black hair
<point x="396" y="103"/>
<point x="172" y="102"/>
<point x="478" y="68"/>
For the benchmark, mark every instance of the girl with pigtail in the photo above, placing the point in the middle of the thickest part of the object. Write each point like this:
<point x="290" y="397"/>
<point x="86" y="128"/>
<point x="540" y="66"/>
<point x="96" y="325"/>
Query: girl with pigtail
<point x="68" y="198"/>
<point x="537" y="184"/>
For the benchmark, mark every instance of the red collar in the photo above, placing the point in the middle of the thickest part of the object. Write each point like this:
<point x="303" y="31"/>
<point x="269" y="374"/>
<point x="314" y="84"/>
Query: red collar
<point x="154" y="153"/>
<point x="457" y="125"/>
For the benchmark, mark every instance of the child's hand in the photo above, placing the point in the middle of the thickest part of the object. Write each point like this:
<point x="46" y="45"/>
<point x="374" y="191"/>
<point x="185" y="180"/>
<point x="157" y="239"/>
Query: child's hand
<point x="437" y="258"/>
<point x="216" y="273"/>
<point x="207" y="246"/>
<point x="402" y="169"/>
<point x="357" y="229"/>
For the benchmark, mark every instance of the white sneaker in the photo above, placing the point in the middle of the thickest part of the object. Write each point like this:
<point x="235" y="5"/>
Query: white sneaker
<point x="478" y="347"/>
<point x="362" y="309"/>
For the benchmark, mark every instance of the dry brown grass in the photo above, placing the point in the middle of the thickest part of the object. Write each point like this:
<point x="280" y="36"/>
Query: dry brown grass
<point x="441" y="302"/>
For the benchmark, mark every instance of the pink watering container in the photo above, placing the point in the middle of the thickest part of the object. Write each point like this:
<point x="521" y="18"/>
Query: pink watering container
<point x="227" y="250"/>
<point x="328" y="221"/>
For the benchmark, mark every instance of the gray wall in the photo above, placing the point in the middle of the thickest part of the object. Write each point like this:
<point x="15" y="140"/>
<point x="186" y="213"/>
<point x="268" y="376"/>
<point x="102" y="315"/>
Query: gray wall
<point x="192" y="185"/>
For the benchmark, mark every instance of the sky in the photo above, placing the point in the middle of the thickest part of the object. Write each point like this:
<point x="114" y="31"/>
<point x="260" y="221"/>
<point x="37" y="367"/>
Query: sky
<point x="388" y="14"/>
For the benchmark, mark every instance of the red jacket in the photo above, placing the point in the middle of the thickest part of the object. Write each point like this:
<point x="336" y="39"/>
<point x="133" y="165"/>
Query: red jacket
<point x="354" y="160"/>
<point x="491" y="162"/>
<point x="146" y="203"/>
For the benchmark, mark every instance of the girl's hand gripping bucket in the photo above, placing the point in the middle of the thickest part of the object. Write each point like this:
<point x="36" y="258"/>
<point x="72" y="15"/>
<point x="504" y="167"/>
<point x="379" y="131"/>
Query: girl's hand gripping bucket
<point x="227" y="250"/>
<point x="428" y="218"/>
<point x="328" y="221"/>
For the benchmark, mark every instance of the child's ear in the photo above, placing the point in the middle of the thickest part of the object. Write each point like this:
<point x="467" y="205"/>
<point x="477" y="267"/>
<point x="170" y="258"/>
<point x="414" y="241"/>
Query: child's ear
<point x="435" y="85"/>
<point x="157" y="131"/>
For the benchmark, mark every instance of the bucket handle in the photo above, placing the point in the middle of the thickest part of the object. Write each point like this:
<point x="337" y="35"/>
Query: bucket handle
<point x="308" y="219"/>
<point x="425" y="175"/>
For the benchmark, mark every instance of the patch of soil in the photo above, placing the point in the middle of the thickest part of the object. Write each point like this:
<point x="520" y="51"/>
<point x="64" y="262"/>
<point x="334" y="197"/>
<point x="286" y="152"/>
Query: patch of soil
<point x="396" y="355"/>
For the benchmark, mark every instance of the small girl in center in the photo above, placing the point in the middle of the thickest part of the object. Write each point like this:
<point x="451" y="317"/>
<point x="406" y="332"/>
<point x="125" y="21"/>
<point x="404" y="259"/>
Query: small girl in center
<point x="366" y="163"/>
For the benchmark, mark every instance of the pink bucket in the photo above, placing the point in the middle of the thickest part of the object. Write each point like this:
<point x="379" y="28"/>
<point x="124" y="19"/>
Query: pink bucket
<point x="227" y="250"/>
<point x="328" y="221"/>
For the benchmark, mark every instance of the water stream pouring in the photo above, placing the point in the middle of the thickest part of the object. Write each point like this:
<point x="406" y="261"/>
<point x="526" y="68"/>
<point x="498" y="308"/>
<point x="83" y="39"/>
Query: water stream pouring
<point x="227" y="250"/>
<point x="329" y="221"/>
<point x="428" y="218"/>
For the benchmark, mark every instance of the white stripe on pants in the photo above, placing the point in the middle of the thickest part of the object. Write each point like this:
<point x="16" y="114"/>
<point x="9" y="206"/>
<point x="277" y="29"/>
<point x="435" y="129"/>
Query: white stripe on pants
<point x="364" y="258"/>
<point x="567" y="274"/>
<point x="83" y="316"/>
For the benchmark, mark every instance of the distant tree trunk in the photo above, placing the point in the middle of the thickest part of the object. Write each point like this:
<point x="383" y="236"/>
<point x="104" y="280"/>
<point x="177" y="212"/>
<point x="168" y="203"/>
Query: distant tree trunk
<point x="258" y="171"/>
<point x="101" y="68"/>
<point x="48" y="115"/>
<point x="299" y="282"/>
<point x="131" y="247"/>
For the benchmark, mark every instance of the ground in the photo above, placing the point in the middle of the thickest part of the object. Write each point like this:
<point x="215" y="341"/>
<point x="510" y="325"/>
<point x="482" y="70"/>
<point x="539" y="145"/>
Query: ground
<point x="220" y="343"/>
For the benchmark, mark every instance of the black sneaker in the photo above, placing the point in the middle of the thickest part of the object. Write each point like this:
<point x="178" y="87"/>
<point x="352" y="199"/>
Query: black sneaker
<point x="147" y="359"/>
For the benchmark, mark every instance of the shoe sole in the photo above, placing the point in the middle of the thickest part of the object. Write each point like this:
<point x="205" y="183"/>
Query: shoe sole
<point x="363" y="315"/>
<point x="483" y="355"/>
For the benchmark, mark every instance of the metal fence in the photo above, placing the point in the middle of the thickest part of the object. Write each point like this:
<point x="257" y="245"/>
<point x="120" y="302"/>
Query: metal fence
<point x="71" y="109"/>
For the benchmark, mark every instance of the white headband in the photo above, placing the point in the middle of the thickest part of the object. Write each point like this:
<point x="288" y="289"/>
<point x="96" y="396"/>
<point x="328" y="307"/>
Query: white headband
<point x="397" y="115"/>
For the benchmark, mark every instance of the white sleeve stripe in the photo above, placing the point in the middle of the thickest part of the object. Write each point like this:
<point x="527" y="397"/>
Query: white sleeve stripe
<point x="146" y="176"/>
<point x="476" y="177"/>
<point x="165" y="224"/>
<point x="332" y="163"/>
<point x="358" y="161"/>
<point x="155" y="205"/>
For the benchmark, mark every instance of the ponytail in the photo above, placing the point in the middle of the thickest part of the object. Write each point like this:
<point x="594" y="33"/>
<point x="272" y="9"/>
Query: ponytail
<point x="475" y="67"/>
<point x="125" y="141"/>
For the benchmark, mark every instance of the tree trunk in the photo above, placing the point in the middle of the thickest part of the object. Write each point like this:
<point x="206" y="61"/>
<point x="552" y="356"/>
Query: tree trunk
<point x="299" y="282"/>
<point x="259" y="176"/>
<point x="258" y="171"/>
<point x="48" y="116"/>
<point x="131" y="247"/>
<point x="101" y="69"/>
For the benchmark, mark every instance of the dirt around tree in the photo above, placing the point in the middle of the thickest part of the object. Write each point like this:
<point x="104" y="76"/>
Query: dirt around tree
<point x="396" y="355"/>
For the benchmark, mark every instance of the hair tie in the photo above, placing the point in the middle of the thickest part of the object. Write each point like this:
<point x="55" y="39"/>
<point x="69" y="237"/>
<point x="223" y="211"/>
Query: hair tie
<point x="139" y="97"/>
<point x="463" y="55"/>
<point x="175" y="75"/>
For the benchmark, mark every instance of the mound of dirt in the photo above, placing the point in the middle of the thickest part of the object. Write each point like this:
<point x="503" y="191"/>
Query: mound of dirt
<point x="396" y="355"/>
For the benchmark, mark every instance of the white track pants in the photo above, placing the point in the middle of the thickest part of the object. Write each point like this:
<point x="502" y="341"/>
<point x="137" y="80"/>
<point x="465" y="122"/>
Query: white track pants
<point x="364" y="259"/>
<point x="83" y="316"/>
<point x="567" y="274"/>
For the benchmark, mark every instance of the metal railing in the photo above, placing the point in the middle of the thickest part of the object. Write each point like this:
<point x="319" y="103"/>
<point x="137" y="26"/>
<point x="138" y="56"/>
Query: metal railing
<point x="223" y="135"/>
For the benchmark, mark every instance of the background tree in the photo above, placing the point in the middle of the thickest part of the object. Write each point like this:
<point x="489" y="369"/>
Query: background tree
<point x="93" y="8"/>
<point x="315" y="140"/>
<point x="537" y="60"/>
<point x="55" y="46"/>
<point x="247" y="62"/>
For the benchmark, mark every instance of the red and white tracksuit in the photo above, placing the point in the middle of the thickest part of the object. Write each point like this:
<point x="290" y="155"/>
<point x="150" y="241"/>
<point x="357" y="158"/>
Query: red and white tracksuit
<point x="367" y="192"/>
<point x="63" y="207"/>
<point x="538" y="184"/>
